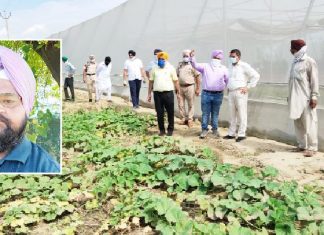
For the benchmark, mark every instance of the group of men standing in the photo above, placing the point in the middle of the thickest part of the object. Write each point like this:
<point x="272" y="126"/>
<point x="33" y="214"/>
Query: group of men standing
<point x="215" y="79"/>
<point x="96" y="76"/>
<point x="212" y="80"/>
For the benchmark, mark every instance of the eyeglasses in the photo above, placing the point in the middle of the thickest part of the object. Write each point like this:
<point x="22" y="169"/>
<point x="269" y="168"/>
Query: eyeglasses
<point x="9" y="100"/>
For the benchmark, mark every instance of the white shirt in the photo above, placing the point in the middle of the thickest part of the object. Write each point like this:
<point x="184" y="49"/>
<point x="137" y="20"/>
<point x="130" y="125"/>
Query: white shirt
<point x="134" y="67"/>
<point x="103" y="75"/>
<point x="103" y="70"/>
<point x="68" y="69"/>
<point x="242" y="75"/>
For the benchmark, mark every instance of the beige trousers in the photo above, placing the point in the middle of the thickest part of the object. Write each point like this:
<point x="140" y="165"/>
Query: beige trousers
<point x="306" y="128"/>
<point x="90" y="84"/>
<point x="238" y="113"/>
<point x="187" y="94"/>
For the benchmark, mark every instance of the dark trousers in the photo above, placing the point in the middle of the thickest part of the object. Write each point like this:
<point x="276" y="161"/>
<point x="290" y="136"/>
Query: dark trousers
<point x="68" y="82"/>
<point x="164" y="100"/>
<point x="135" y="87"/>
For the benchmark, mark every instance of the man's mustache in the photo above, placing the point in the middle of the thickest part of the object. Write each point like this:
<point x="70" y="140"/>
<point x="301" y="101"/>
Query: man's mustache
<point x="4" y="120"/>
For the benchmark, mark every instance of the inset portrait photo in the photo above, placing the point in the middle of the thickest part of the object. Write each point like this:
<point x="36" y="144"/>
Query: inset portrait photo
<point x="30" y="106"/>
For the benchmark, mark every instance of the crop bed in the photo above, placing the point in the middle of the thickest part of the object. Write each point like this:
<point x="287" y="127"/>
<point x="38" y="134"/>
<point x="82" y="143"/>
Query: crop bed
<point x="117" y="179"/>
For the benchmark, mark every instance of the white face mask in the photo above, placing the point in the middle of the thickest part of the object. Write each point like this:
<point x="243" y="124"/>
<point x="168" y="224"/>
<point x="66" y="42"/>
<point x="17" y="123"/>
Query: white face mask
<point x="233" y="60"/>
<point x="215" y="62"/>
<point x="186" y="59"/>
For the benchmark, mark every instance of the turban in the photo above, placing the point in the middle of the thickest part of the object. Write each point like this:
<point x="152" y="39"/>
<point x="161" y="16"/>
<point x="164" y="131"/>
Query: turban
<point x="163" y="55"/>
<point x="20" y="75"/>
<point x="297" y="44"/>
<point x="64" y="58"/>
<point x="131" y="52"/>
<point x="217" y="53"/>
<point x="157" y="51"/>
<point x="186" y="52"/>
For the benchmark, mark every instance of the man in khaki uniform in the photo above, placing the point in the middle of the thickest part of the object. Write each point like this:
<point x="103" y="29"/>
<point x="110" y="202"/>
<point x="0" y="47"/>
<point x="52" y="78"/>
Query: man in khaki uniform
<point x="89" y="75"/>
<point x="189" y="86"/>
<point x="302" y="99"/>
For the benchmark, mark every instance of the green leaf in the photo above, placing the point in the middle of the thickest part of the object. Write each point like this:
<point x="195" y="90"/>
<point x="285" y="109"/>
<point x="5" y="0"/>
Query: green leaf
<point x="145" y="168"/>
<point x="93" y="204"/>
<point x="161" y="174"/>
<point x="236" y="229"/>
<point x="162" y="205"/>
<point x="311" y="229"/>
<point x="164" y="228"/>
<point x="218" y="180"/>
<point x="205" y="164"/>
<point x="182" y="180"/>
<point x="193" y="180"/>
<point x="303" y="213"/>
<point x="220" y="212"/>
<point x="285" y="229"/>
<point x="238" y="194"/>
<point x="256" y="183"/>
<point x="174" y="215"/>
<point x="270" y="171"/>
<point x="184" y="227"/>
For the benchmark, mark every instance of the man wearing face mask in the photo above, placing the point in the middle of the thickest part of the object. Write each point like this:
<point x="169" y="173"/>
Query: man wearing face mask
<point x="89" y="75"/>
<point x="153" y="63"/>
<point x="17" y="94"/>
<point x="103" y="82"/>
<point x="134" y="71"/>
<point x="189" y="86"/>
<point x="302" y="99"/>
<point x="214" y="81"/>
<point x="242" y="78"/>
<point x="163" y="82"/>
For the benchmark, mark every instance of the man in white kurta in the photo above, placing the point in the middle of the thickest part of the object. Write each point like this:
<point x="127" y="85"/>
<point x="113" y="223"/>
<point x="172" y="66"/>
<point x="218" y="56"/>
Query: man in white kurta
<point x="302" y="98"/>
<point x="103" y="81"/>
<point x="242" y="77"/>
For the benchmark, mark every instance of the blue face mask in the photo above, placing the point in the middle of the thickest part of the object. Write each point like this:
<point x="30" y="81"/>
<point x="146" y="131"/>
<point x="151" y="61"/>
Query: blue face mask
<point x="161" y="63"/>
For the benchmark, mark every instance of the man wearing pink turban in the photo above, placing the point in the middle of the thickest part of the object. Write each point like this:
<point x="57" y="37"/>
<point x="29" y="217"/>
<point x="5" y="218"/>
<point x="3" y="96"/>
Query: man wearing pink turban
<point x="17" y="94"/>
<point x="214" y="82"/>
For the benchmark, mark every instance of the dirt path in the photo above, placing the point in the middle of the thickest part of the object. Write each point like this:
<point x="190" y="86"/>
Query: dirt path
<point x="253" y="151"/>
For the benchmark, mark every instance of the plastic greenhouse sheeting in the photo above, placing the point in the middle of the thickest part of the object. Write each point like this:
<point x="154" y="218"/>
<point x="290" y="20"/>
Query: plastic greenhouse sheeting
<point x="261" y="29"/>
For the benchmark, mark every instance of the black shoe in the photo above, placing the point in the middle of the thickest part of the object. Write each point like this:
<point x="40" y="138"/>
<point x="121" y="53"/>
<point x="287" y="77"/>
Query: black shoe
<point x="240" y="138"/>
<point x="90" y="100"/>
<point x="66" y="99"/>
<point x="169" y="133"/>
<point x="228" y="137"/>
<point x="162" y="133"/>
